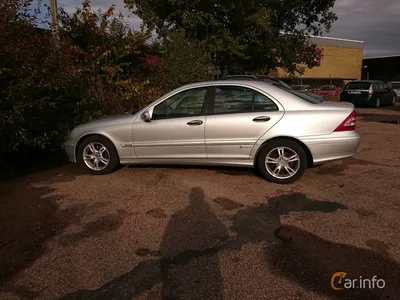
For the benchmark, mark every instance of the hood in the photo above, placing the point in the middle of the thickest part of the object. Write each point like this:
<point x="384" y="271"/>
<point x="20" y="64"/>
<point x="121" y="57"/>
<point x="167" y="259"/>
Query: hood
<point x="109" y="120"/>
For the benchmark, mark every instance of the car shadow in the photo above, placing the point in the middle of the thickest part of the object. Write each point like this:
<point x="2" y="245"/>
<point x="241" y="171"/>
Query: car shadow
<point x="395" y="107"/>
<point x="233" y="171"/>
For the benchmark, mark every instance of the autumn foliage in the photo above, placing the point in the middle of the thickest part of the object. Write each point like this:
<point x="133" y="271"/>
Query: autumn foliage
<point x="99" y="66"/>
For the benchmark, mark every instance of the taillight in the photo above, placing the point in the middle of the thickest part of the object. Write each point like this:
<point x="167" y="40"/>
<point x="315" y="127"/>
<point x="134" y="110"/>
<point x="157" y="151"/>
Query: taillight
<point x="349" y="123"/>
<point x="370" y="92"/>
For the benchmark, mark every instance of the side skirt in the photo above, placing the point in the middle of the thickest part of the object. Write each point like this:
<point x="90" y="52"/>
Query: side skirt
<point x="193" y="162"/>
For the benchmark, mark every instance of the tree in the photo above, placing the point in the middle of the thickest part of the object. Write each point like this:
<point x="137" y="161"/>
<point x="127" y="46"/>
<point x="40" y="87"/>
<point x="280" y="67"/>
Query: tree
<point x="244" y="36"/>
<point x="184" y="60"/>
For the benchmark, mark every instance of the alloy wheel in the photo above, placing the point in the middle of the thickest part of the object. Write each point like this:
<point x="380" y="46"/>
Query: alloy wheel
<point x="96" y="156"/>
<point x="282" y="162"/>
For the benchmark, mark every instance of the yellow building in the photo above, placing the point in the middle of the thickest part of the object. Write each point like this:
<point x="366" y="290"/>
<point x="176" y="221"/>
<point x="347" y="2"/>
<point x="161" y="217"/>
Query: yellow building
<point x="341" y="62"/>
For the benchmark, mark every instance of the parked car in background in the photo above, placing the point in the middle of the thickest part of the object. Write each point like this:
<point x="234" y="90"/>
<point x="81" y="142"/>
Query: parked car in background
<point x="326" y="90"/>
<point x="368" y="92"/>
<point x="226" y="122"/>
<point x="395" y="86"/>
<point x="271" y="80"/>
<point x="303" y="88"/>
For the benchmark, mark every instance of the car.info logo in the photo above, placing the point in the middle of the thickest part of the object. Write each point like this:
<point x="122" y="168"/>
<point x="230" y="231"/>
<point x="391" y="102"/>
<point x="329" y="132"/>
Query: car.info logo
<point x="339" y="282"/>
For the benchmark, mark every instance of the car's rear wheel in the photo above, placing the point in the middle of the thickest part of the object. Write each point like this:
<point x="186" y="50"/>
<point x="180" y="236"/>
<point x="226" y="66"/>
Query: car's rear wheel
<point x="394" y="100"/>
<point x="378" y="102"/>
<point x="98" y="155"/>
<point x="282" y="161"/>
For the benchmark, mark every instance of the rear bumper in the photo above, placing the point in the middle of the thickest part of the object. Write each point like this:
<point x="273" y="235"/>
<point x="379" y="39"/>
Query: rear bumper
<point x="368" y="101"/>
<point x="335" y="146"/>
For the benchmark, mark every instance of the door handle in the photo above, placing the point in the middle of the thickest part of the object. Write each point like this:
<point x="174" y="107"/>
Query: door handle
<point x="261" y="119"/>
<point x="195" y="122"/>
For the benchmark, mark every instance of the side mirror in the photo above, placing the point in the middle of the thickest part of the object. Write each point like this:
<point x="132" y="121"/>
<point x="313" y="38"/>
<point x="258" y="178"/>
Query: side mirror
<point x="145" y="116"/>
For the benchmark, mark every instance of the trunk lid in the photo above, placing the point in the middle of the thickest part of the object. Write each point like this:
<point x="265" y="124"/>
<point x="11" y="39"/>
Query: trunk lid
<point x="356" y="92"/>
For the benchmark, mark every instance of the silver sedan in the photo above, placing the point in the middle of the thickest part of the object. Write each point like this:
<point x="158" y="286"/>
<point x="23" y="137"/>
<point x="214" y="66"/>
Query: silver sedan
<point x="228" y="123"/>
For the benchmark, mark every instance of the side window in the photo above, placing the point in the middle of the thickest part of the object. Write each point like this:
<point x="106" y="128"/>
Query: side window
<point x="184" y="104"/>
<point x="375" y="87"/>
<point x="263" y="103"/>
<point x="232" y="99"/>
<point x="235" y="99"/>
<point x="385" y="86"/>
<point x="381" y="87"/>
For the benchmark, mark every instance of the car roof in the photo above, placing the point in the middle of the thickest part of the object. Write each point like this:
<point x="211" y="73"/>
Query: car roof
<point x="264" y="77"/>
<point x="367" y="81"/>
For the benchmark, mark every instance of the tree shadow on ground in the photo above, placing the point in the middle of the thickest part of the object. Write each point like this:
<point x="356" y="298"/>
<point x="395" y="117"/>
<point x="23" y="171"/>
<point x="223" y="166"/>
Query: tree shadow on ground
<point x="189" y="266"/>
<point x="30" y="216"/>
<point x="311" y="261"/>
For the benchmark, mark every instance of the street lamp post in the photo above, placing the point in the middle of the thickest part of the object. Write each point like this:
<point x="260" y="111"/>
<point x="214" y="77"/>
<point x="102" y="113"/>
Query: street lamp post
<point x="365" y="67"/>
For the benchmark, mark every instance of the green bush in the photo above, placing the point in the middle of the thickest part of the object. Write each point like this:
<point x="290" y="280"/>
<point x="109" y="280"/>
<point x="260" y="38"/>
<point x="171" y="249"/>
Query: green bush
<point x="98" y="66"/>
<point x="184" y="61"/>
<point x="47" y="86"/>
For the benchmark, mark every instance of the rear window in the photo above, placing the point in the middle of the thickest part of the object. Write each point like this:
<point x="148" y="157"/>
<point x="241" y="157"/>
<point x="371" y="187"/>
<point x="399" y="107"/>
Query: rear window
<point x="357" y="86"/>
<point x="284" y="84"/>
<point x="303" y="96"/>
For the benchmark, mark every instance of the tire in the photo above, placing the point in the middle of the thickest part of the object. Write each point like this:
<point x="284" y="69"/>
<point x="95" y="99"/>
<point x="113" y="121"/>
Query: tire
<point x="394" y="100"/>
<point x="290" y="148"/>
<point x="109" y="154"/>
<point x="378" y="102"/>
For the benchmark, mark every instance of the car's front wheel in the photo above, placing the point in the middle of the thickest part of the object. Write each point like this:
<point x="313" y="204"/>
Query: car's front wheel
<point x="98" y="155"/>
<point x="282" y="161"/>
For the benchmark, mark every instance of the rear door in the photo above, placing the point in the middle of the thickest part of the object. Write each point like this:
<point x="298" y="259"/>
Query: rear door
<point x="238" y="117"/>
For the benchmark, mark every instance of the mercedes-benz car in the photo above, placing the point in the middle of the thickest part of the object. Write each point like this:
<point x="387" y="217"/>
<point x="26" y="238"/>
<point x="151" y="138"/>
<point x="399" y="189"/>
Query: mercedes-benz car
<point x="228" y="123"/>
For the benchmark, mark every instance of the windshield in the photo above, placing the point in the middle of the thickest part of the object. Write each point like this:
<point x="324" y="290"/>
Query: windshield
<point x="297" y="87"/>
<point x="358" y="86"/>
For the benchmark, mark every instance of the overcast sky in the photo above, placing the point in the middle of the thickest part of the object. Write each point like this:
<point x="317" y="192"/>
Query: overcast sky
<point x="377" y="23"/>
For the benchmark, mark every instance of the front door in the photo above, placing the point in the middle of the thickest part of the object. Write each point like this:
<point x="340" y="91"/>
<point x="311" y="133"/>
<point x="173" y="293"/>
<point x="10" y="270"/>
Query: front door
<point x="238" y="117"/>
<point x="176" y="128"/>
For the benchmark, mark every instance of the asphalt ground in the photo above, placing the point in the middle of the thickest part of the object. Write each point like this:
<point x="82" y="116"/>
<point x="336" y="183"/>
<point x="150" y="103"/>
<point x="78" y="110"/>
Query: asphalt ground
<point x="208" y="233"/>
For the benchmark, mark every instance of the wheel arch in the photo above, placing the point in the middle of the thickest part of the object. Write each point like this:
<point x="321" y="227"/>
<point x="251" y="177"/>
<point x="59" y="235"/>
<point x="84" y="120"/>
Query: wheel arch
<point x="87" y="135"/>
<point x="310" y="160"/>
